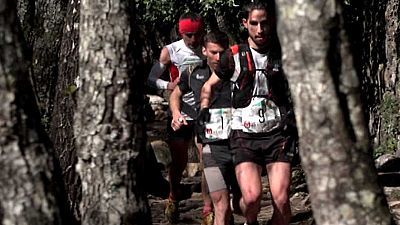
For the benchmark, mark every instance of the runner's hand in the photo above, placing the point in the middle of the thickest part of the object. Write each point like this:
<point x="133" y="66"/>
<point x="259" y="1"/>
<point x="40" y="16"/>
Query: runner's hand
<point x="178" y="121"/>
<point x="202" y="119"/>
<point x="172" y="85"/>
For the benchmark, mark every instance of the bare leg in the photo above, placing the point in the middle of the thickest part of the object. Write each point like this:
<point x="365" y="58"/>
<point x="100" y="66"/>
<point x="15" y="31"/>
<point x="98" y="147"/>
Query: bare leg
<point x="208" y="205"/>
<point x="249" y="178"/>
<point x="279" y="176"/>
<point x="221" y="207"/>
<point x="179" y="157"/>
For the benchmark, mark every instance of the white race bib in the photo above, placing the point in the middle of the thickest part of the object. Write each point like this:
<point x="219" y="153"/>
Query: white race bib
<point x="262" y="115"/>
<point x="219" y="126"/>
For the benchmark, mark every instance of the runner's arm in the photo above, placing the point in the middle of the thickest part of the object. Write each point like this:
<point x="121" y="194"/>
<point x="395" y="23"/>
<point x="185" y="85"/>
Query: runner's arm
<point x="158" y="69"/>
<point x="175" y="106"/>
<point x="207" y="92"/>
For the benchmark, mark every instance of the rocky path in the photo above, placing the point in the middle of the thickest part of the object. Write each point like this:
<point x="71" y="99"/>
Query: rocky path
<point x="191" y="207"/>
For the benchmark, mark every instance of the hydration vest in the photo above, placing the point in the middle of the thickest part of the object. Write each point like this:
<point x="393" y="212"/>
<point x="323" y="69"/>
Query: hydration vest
<point x="278" y="91"/>
<point x="243" y="86"/>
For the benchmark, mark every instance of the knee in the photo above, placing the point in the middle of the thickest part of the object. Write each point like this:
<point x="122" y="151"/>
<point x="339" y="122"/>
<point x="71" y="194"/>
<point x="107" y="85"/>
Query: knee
<point x="251" y="198"/>
<point x="221" y="203"/>
<point x="281" y="200"/>
<point x="221" y="209"/>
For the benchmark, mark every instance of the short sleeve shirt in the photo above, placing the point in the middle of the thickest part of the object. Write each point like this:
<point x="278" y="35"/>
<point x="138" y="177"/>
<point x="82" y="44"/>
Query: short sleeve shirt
<point x="194" y="82"/>
<point x="226" y="67"/>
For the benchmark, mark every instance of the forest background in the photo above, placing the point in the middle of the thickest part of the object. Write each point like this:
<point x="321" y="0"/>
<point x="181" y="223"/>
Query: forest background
<point x="72" y="94"/>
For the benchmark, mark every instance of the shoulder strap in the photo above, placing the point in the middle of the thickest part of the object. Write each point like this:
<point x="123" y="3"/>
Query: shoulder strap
<point x="246" y="58"/>
<point x="247" y="66"/>
<point x="244" y="65"/>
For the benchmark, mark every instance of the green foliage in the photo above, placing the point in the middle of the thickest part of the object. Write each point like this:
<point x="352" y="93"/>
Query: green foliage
<point x="155" y="11"/>
<point x="388" y="146"/>
<point x="228" y="12"/>
<point x="210" y="6"/>
<point x="164" y="14"/>
<point x="390" y="115"/>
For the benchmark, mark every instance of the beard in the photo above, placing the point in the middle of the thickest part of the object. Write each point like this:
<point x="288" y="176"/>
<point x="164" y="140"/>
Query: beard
<point x="260" y="41"/>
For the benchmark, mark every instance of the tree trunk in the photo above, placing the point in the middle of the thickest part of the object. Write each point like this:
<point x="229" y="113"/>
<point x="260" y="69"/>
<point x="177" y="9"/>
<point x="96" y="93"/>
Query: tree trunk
<point x="108" y="128"/>
<point x="392" y="72"/>
<point x="334" y="142"/>
<point x="377" y="31"/>
<point x="29" y="193"/>
<point x="61" y="125"/>
<point x="43" y="21"/>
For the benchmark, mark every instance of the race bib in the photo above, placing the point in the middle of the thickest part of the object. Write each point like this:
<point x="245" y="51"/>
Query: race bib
<point x="219" y="126"/>
<point x="262" y="115"/>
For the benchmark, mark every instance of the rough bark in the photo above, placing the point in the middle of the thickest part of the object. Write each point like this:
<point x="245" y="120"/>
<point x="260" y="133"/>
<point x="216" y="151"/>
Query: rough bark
<point x="22" y="9"/>
<point x="43" y="25"/>
<point x="28" y="192"/>
<point x="334" y="143"/>
<point x="392" y="71"/>
<point x="378" y="40"/>
<point x="61" y="125"/>
<point x="108" y="129"/>
<point x="392" y="42"/>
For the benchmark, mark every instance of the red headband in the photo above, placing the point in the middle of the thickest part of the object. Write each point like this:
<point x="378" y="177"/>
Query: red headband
<point x="190" y="25"/>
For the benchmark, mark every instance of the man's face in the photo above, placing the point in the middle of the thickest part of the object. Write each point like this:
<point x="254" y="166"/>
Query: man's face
<point x="213" y="52"/>
<point x="259" y="26"/>
<point x="192" y="40"/>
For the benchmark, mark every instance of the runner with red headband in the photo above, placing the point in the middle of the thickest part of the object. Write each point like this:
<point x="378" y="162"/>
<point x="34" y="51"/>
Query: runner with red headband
<point x="182" y="54"/>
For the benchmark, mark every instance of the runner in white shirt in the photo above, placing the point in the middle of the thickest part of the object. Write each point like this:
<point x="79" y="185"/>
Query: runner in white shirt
<point x="181" y="54"/>
<point x="259" y="139"/>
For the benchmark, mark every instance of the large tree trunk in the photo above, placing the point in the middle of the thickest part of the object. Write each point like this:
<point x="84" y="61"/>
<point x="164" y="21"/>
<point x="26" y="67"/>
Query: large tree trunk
<point x="375" y="28"/>
<point x="392" y="72"/>
<point x="52" y="31"/>
<point x="108" y="130"/>
<point x="61" y="125"/>
<point x="334" y="140"/>
<point x="29" y="193"/>
<point x="381" y="35"/>
<point x="43" y="22"/>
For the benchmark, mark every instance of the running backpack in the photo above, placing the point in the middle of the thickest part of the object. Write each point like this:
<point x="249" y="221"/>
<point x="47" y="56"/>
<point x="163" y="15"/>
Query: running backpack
<point x="242" y="88"/>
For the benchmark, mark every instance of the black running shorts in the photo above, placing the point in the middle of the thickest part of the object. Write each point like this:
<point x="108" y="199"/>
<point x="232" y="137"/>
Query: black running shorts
<point x="261" y="149"/>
